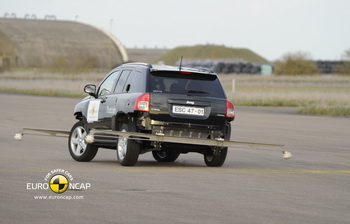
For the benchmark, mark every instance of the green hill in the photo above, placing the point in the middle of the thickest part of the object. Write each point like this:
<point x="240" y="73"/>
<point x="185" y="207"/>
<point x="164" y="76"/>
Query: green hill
<point x="210" y="52"/>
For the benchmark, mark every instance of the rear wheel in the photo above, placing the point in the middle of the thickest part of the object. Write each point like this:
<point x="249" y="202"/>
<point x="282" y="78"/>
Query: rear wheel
<point x="127" y="150"/>
<point x="165" y="156"/>
<point x="216" y="158"/>
<point x="78" y="148"/>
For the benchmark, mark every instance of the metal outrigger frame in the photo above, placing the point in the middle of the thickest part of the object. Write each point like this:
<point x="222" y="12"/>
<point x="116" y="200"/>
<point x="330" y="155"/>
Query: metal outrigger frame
<point x="158" y="138"/>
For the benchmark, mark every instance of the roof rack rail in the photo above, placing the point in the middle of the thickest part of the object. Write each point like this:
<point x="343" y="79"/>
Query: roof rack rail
<point x="137" y="63"/>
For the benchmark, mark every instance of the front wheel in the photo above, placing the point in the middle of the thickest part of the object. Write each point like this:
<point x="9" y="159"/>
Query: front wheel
<point x="216" y="158"/>
<point x="78" y="148"/>
<point x="127" y="150"/>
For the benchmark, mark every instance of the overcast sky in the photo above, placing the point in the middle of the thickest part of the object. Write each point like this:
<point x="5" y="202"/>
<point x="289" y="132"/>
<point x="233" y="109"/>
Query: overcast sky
<point x="271" y="28"/>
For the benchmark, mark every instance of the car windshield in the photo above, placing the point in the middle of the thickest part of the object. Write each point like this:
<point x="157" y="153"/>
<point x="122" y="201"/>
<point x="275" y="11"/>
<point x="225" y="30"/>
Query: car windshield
<point x="186" y="84"/>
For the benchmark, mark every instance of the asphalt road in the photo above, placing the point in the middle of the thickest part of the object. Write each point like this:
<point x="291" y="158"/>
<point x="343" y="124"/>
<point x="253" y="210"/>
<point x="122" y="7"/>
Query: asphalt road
<point x="255" y="185"/>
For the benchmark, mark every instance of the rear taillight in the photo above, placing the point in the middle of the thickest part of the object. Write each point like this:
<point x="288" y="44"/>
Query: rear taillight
<point x="142" y="103"/>
<point x="230" y="109"/>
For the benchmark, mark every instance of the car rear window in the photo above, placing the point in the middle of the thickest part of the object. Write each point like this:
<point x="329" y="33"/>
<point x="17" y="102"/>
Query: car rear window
<point x="187" y="84"/>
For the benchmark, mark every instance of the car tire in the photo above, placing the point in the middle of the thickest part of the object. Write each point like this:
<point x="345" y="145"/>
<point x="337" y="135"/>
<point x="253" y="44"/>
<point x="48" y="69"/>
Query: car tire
<point x="127" y="150"/>
<point x="79" y="149"/>
<point x="165" y="156"/>
<point x="216" y="160"/>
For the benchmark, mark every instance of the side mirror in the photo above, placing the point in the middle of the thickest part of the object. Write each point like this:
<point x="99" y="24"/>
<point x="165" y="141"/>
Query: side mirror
<point x="90" y="89"/>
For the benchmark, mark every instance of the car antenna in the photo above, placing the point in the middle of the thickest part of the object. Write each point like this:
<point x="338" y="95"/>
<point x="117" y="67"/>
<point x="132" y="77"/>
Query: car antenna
<point x="180" y="63"/>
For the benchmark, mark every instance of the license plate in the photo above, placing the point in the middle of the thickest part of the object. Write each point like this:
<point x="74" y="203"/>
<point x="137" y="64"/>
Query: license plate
<point x="188" y="110"/>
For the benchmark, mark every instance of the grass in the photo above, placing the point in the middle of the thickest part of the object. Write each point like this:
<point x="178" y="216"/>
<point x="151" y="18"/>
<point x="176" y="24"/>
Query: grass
<point x="328" y="95"/>
<point x="210" y="51"/>
<point x="44" y="75"/>
<point x="320" y="95"/>
<point x="330" y="108"/>
<point x="43" y="93"/>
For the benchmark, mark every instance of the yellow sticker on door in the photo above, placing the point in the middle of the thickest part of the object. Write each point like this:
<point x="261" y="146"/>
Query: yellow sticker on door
<point x="92" y="113"/>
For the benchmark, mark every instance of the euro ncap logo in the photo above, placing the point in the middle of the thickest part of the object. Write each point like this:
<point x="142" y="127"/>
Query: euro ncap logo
<point x="59" y="183"/>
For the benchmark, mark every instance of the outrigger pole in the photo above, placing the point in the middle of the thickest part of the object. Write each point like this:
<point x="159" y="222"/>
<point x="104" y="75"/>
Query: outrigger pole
<point x="158" y="137"/>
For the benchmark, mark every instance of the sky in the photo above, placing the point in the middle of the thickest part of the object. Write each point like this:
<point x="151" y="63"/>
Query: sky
<point x="271" y="28"/>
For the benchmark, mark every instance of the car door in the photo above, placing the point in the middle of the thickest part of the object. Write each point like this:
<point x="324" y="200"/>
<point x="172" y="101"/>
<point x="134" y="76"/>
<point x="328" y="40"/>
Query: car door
<point x="120" y="93"/>
<point x="98" y="114"/>
<point x="110" y="101"/>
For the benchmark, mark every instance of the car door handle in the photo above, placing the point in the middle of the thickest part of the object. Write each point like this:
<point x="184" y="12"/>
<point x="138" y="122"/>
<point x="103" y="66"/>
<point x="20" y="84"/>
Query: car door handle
<point x="103" y="99"/>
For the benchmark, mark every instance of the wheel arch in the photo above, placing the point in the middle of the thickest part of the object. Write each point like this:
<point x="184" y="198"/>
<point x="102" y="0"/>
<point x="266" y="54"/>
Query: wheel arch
<point x="119" y="119"/>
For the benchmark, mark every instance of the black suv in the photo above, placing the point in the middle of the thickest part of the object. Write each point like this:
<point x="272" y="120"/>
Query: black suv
<point x="154" y="99"/>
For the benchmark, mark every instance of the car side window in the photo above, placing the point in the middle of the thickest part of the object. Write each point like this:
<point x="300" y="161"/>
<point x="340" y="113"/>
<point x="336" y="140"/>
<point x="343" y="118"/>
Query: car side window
<point x="107" y="86"/>
<point x="122" y="80"/>
<point x="135" y="83"/>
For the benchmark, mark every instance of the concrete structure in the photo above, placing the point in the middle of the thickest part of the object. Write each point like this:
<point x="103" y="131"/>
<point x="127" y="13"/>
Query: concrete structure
<point x="32" y="43"/>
